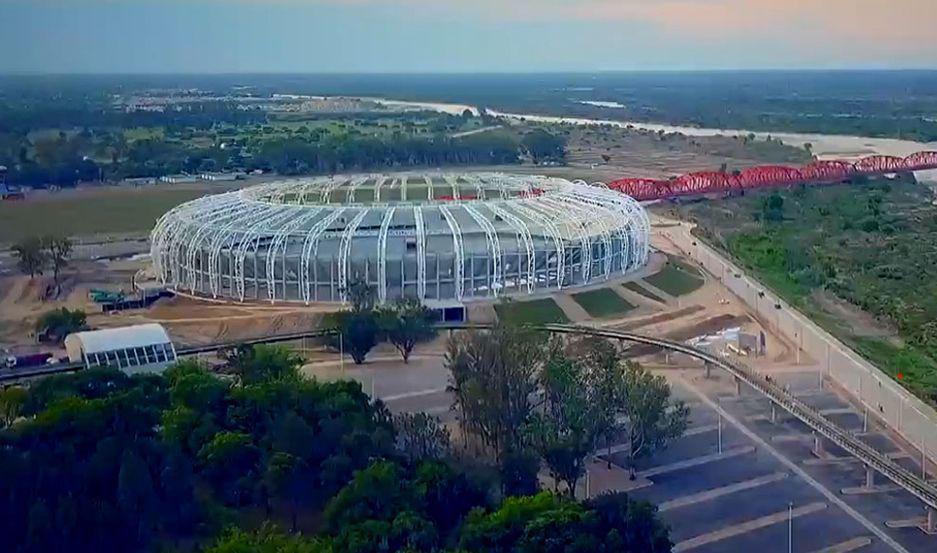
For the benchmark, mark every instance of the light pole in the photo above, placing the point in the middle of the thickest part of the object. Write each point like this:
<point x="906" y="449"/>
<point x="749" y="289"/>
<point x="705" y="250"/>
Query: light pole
<point x="719" y="431"/>
<point x="790" y="527"/>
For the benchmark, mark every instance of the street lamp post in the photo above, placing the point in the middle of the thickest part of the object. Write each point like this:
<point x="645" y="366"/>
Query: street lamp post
<point x="719" y="432"/>
<point x="790" y="527"/>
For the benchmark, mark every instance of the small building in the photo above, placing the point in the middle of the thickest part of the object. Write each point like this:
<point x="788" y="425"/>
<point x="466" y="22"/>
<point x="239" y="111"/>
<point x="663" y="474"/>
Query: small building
<point x="140" y="181"/>
<point x="178" y="179"/>
<point x="132" y="349"/>
<point x="11" y="192"/>
<point x="221" y="177"/>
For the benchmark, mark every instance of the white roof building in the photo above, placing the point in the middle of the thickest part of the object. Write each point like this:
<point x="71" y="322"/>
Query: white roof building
<point x="133" y="349"/>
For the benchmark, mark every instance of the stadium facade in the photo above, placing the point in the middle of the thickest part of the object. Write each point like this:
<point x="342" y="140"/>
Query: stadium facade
<point x="433" y="237"/>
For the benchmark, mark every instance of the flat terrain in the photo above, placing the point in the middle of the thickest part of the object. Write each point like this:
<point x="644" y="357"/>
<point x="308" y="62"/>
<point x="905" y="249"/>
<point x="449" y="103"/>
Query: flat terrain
<point x="532" y="311"/>
<point x="676" y="279"/>
<point x="602" y="302"/>
<point x="91" y="211"/>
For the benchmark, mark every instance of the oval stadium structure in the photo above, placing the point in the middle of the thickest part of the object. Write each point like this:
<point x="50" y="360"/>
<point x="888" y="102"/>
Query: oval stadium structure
<point x="429" y="236"/>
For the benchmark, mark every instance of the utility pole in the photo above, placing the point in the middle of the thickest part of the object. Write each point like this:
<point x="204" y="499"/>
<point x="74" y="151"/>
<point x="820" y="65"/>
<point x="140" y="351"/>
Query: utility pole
<point x="790" y="527"/>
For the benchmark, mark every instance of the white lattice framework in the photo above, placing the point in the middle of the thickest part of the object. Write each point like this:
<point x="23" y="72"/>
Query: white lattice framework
<point x="429" y="236"/>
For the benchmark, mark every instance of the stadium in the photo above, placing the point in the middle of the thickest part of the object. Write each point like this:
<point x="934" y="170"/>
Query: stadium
<point x="447" y="237"/>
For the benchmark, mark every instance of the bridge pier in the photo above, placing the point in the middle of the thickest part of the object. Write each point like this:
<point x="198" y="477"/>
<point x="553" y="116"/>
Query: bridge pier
<point x="869" y="477"/>
<point x="708" y="367"/>
<point x="930" y="523"/>
<point x="819" y="448"/>
<point x="774" y="413"/>
<point x="738" y="386"/>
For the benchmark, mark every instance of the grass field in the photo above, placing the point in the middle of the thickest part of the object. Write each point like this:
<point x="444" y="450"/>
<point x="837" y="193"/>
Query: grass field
<point x="112" y="211"/>
<point x="638" y="289"/>
<point x="602" y="303"/>
<point x="531" y="312"/>
<point x="676" y="279"/>
<point x="860" y="260"/>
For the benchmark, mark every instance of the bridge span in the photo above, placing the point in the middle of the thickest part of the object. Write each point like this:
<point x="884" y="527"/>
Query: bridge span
<point x="772" y="176"/>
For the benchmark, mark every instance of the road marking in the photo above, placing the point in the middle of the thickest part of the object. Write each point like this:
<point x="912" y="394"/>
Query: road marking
<point x="838" y="411"/>
<point x="747" y="526"/>
<point x="867" y="490"/>
<point x="791" y="438"/>
<point x="696" y="461"/>
<point x="714" y="493"/>
<point x="793" y="467"/>
<point x="702" y="429"/>
<point x="408" y="395"/>
<point x="847" y="546"/>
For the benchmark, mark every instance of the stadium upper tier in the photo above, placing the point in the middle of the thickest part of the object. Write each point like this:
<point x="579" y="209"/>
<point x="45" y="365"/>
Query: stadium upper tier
<point x="767" y="176"/>
<point x="432" y="236"/>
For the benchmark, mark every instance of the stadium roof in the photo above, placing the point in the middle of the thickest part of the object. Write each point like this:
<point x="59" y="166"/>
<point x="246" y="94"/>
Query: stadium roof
<point x="110" y="339"/>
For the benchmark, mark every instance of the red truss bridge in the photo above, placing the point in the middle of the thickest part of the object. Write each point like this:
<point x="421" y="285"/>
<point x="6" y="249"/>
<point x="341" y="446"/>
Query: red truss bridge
<point x="772" y="176"/>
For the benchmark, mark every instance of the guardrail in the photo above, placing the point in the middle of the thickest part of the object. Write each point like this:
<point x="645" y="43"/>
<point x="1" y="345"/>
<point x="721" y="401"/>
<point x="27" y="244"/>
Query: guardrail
<point x="918" y="487"/>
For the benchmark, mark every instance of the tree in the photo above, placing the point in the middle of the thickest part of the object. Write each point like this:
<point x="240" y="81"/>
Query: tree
<point x="552" y="524"/>
<point x="565" y="427"/>
<point x="12" y="401"/>
<point x="59" y="249"/>
<point x="772" y="208"/>
<point x="360" y="294"/>
<point x="135" y="491"/>
<point x="542" y="145"/>
<point x="493" y="375"/>
<point x="420" y="436"/>
<point x="286" y="479"/>
<point x="262" y="363"/>
<point x="55" y="325"/>
<point x="355" y="332"/>
<point x="580" y="386"/>
<point x="405" y="324"/>
<point x="31" y="257"/>
<point x="629" y="525"/>
<point x="652" y="420"/>
<point x="229" y="461"/>
<point x="267" y="540"/>
<point x="375" y="493"/>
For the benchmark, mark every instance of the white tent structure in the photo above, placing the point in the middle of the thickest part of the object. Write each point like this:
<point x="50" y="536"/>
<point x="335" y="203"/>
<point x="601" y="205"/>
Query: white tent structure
<point x="132" y="349"/>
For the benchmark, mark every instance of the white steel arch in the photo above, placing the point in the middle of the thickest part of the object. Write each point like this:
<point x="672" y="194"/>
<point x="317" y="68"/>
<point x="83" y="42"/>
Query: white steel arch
<point x="298" y="238"/>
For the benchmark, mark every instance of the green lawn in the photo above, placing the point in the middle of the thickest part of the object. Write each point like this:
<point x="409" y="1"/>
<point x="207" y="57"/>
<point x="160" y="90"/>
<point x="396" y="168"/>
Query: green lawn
<point x="676" y="279"/>
<point x="638" y="289"/>
<point x="113" y="211"/>
<point x="602" y="303"/>
<point x="531" y="312"/>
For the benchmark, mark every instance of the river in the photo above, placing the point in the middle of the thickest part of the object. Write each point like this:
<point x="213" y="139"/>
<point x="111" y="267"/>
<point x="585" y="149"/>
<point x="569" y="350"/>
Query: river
<point x="824" y="146"/>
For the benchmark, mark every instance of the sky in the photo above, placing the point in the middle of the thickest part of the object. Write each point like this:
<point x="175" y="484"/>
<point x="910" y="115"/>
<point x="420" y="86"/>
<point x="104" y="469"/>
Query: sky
<point x="416" y="36"/>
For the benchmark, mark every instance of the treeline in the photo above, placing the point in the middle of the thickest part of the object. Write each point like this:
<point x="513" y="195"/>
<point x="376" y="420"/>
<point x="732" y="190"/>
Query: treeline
<point x="241" y="140"/>
<point x="263" y="459"/>
<point x="295" y="156"/>
<point x="79" y="113"/>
